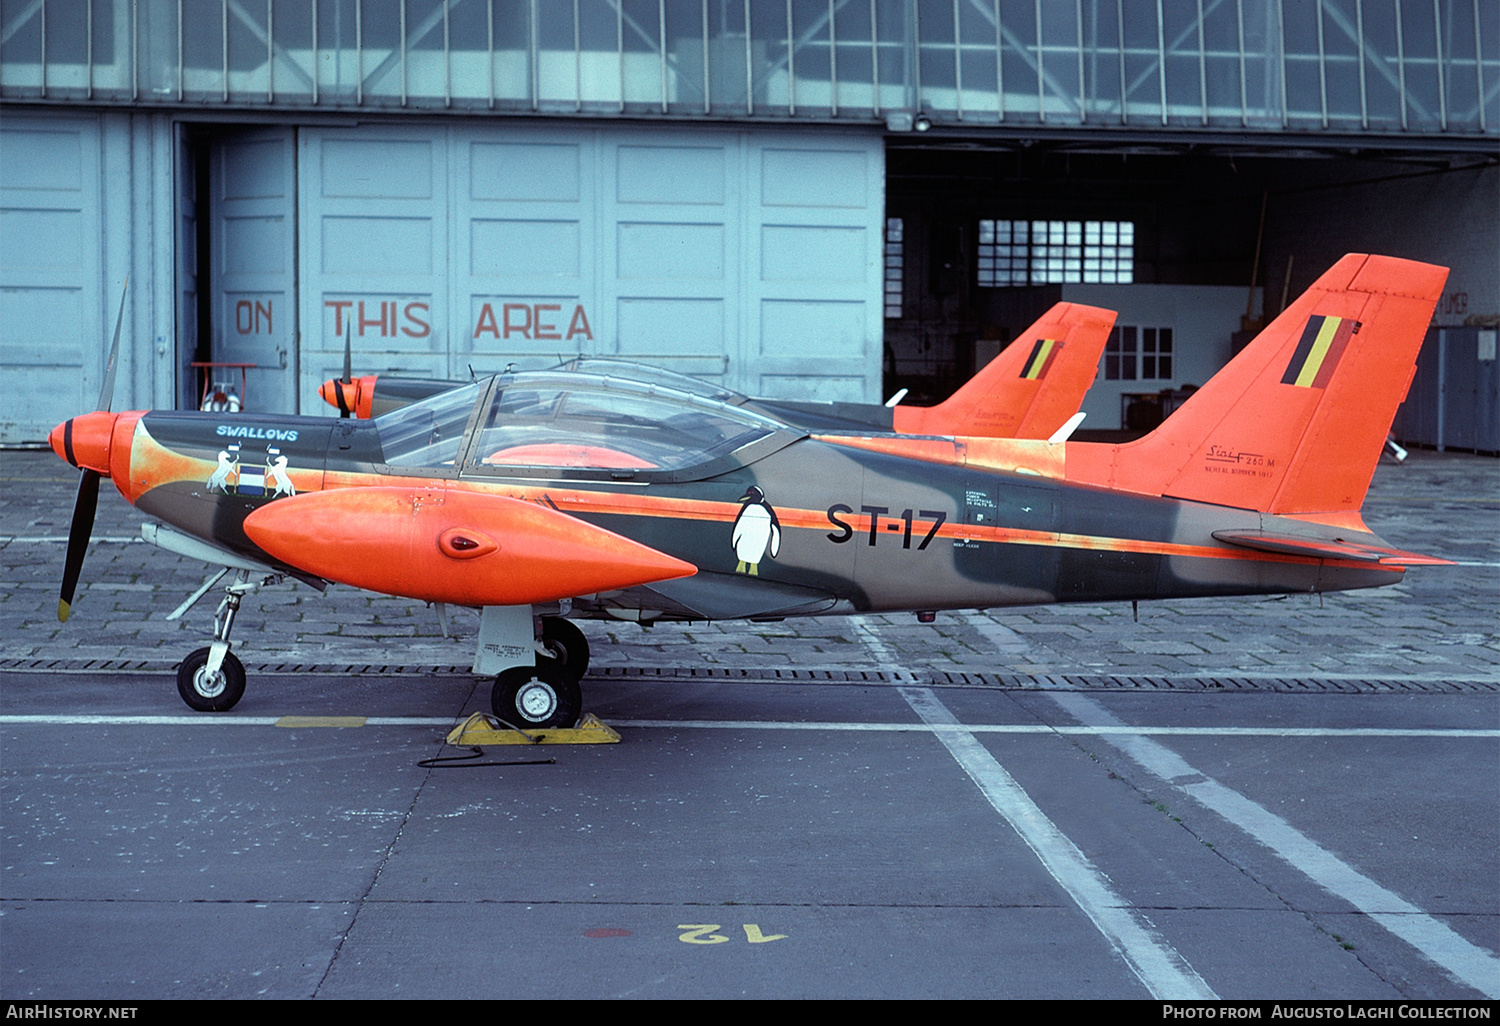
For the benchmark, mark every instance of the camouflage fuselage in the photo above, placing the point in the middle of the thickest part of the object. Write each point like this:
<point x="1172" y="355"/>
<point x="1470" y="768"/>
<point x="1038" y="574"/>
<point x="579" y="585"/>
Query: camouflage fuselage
<point x="855" y="530"/>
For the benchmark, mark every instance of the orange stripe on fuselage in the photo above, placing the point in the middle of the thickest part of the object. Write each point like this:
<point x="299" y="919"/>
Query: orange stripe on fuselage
<point x="584" y="502"/>
<point x="153" y="465"/>
<point x="1031" y="456"/>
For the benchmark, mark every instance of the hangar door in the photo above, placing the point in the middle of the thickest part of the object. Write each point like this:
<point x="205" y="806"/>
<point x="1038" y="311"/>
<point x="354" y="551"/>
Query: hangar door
<point x="252" y="266"/>
<point x="752" y="259"/>
<point x="51" y="325"/>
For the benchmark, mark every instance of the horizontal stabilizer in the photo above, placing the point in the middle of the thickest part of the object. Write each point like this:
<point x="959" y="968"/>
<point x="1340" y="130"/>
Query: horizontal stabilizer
<point x="1327" y="548"/>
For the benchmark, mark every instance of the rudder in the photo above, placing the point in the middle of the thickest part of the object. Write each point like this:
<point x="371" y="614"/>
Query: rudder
<point x="1296" y="422"/>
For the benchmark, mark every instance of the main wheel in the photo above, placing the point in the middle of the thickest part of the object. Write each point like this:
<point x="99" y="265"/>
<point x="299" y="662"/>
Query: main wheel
<point x="216" y="693"/>
<point x="539" y="696"/>
<point x="567" y="647"/>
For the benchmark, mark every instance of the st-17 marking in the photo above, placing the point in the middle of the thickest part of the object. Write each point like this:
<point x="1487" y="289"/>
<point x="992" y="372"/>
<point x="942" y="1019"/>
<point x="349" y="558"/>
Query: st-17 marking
<point x="932" y="518"/>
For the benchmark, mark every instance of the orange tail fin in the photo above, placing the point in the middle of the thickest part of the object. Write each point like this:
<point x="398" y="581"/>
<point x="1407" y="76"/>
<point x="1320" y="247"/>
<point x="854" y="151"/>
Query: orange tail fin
<point x="1028" y="391"/>
<point x="1295" y="423"/>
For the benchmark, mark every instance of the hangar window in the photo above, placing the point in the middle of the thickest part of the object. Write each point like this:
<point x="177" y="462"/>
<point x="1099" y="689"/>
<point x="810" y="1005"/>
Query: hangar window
<point x="1138" y="354"/>
<point x="1056" y="252"/>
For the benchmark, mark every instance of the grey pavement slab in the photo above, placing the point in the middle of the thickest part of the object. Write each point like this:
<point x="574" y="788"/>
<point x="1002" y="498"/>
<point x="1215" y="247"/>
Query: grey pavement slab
<point x="701" y="858"/>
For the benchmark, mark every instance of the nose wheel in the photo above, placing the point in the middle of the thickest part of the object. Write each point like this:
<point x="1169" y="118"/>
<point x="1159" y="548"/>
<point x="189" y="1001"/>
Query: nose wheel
<point x="536" y="696"/>
<point x="211" y="690"/>
<point x="212" y="679"/>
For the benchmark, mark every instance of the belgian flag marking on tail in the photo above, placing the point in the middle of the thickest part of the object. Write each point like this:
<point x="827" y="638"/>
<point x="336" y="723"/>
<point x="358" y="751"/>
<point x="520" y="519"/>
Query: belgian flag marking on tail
<point x="1043" y="352"/>
<point x="1318" y="351"/>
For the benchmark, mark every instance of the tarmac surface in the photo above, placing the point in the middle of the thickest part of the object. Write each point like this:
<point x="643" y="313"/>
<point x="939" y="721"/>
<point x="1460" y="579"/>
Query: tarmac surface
<point x="1286" y="797"/>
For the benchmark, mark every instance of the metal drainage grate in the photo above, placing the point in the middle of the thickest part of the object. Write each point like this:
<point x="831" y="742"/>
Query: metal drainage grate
<point x="750" y="675"/>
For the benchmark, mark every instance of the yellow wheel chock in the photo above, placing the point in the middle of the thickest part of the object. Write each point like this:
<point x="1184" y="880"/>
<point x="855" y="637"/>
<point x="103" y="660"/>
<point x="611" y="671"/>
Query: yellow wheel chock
<point x="480" y="729"/>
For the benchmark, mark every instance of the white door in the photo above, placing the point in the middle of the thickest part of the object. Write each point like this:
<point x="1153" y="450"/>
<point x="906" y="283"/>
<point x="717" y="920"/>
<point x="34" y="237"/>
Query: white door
<point x="52" y="335"/>
<point x="374" y="256"/>
<point x="749" y="258"/>
<point x="252" y="181"/>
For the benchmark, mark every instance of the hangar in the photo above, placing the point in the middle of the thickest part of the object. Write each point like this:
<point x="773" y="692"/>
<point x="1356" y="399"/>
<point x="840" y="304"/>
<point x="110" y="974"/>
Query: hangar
<point x="826" y="199"/>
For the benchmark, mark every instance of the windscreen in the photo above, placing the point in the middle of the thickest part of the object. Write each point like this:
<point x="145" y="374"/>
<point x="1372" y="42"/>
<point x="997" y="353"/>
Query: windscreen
<point x="579" y="421"/>
<point x="428" y="433"/>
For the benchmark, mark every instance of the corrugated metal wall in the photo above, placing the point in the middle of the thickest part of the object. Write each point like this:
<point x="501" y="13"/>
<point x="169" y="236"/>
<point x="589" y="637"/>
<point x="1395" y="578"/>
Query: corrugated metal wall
<point x="1454" y="401"/>
<point x="1336" y="66"/>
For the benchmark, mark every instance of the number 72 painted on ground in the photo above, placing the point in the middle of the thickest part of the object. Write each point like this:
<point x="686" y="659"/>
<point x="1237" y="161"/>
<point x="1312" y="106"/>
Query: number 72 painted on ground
<point x="703" y="933"/>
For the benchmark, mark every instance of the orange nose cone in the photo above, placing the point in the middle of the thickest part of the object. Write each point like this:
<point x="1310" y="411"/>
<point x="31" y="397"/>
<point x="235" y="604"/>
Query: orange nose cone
<point x="353" y="397"/>
<point x="329" y="390"/>
<point x="85" y="441"/>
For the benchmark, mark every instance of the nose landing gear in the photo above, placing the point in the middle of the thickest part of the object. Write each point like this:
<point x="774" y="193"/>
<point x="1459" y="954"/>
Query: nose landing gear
<point x="215" y="690"/>
<point x="212" y="679"/>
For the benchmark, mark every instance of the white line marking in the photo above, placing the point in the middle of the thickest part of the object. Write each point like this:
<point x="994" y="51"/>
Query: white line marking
<point x="207" y="720"/>
<point x="1042" y="728"/>
<point x="876" y="647"/>
<point x="1165" y="973"/>
<point x="1122" y="729"/>
<point x="8" y="539"/>
<point x="1463" y="960"/>
<point x="1006" y="641"/>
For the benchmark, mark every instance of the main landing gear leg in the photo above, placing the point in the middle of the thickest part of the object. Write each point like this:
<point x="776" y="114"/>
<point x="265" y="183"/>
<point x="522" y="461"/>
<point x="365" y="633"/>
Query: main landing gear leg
<point x="212" y="679"/>
<point x="537" y="661"/>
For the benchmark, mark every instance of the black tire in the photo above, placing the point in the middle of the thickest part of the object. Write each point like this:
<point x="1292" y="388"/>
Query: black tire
<point x="535" y="697"/>
<point x="218" y="694"/>
<point x="568" y="646"/>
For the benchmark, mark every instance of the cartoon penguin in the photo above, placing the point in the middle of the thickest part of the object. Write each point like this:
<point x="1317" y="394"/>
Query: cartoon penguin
<point x="756" y="531"/>
<point x="227" y="467"/>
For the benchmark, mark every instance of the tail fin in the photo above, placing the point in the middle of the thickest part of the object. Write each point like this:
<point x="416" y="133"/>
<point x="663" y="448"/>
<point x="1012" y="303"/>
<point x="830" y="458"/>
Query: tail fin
<point x="1295" y="423"/>
<point x="1030" y="389"/>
